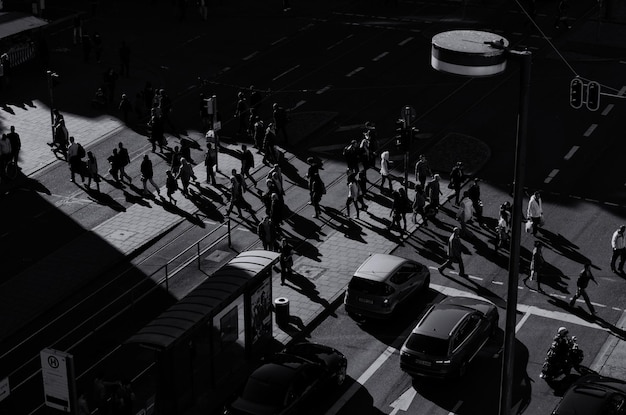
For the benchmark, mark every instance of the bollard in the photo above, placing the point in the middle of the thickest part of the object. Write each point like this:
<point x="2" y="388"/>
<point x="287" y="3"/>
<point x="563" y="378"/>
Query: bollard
<point x="281" y="309"/>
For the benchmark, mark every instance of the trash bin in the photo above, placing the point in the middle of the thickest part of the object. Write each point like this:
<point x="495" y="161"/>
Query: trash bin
<point x="281" y="308"/>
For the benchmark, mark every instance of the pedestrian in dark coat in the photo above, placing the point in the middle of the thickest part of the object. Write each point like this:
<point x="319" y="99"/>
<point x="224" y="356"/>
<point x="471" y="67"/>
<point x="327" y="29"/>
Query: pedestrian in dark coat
<point x="455" y="249"/>
<point x="125" y="107"/>
<point x="422" y="170"/>
<point x="433" y="191"/>
<point x="286" y="261"/>
<point x="265" y="231"/>
<point x="581" y="287"/>
<point x="236" y="192"/>
<point x="474" y="194"/>
<point x="269" y="140"/>
<point x="247" y="163"/>
<point x="241" y="112"/>
<point x="259" y="134"/>
<point x="171" y="185"/>
<point x="75" y="154"/>
<point x="147" y="175"/>
<point x="317" y="190"/>
<point x="156" y="131"/>
<point x="209" y="163"/>
<point x="351" y="155"/>
<point x="114" y="165"/>
<point x="536" y="264"/>
<point x="92" y="171"/>
<point x="124" y="160"/>
<point x="419" y="203"/>
<point x="185" y="174"/>
<point x="276" y="212"/>
<point x="353" y="195"/>
<point x="280" y="121"/>
<point x="456" y="180"/>
<point x="16" y="145"/>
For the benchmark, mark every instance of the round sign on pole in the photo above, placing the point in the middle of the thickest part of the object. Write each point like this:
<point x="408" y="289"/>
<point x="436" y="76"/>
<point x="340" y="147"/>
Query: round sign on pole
<point x="469" y="52"/>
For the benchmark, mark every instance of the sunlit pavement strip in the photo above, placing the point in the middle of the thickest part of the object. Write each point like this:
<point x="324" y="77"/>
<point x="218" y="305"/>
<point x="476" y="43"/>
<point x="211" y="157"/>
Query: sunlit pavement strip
<point x="551" y="176"/>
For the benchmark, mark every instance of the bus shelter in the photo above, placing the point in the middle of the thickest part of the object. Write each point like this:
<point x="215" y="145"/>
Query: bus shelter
<point x="210" y="334"/>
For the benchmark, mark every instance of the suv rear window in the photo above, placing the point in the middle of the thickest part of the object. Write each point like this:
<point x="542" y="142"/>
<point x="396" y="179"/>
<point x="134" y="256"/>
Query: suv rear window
<point x="369" y="287"/>
<point x="431" y="346"/>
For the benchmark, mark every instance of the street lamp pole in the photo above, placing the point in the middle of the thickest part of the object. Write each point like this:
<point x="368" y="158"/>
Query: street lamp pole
<point x="508" y="359"/>
<point x="479" y="54"/>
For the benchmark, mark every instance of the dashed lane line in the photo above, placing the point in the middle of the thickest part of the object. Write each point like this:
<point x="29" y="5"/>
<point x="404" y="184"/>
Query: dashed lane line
<point x="405" y="41"/>
<point x="252" y="55"/>
<point x="379" y="57"/>
<point x="357" y="70"/>
<point x="571" y="153"/>
<point x="608" y="109"/>
<point x="339" y="42"/>
<point x="321" y="91"/>
<point x="293" y="68"/>
<point x="299" y="103"/>
<point x="278" y="41"/>
<point x="551" y="176"/>
<point x="590" y="130"/>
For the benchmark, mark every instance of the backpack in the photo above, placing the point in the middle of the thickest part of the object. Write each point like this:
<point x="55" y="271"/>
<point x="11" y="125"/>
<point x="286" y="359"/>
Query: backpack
<point x="81" y="152"/>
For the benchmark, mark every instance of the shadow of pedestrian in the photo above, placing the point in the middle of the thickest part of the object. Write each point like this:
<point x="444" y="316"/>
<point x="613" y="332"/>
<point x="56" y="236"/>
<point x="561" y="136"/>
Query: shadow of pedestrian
<point x="208" y="209"/>
<point x="23" y="182"/>
<point x="291" y="173"/>
<point x="561" y="245"/>
<point x="344" y="224"/>
<point x="294" y="327"/>
<point x="210" y="194"/>
<point x="104" y="199"/>
<point x="169" y="207"/>
<point x="305" y="287"/>
<point x="136" y="198"/>
<point x="304" y="226"/>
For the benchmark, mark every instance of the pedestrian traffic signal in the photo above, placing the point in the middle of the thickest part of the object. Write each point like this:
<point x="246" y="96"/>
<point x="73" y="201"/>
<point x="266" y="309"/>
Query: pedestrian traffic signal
<point x="400" y="136"/>
<point x="593" y="96"/>
<point x="576" y="93"/>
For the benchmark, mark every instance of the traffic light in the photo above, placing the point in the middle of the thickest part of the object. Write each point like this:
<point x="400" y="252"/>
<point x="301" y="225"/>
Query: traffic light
<point x="593" y="96"/>
<point x="576" y="93"/>
<point x="400" y="134"/>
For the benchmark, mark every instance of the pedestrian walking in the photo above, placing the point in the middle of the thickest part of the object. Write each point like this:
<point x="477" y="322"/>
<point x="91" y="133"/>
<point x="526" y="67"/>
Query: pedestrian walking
<point x="581" y="287"/>
<point x="124" y="53"/>
<point x="78" y="29"/>
<point x="5" y="153"/>
<point x="156" y="130"/>
<point x="276" y="212"/>
<point x="419" y="203"/>
<point x="209" y="163"/>
<point x="317" y="190"/>
<point x="384" y="171"/>
<point x="366" y="154"/>
<point x="75" y="154"/>
<point x="124" y="160"/>
<point x="125" y="107"/>
<point x="247" y="163"/>
<point x="618" y="243"/>
<point x="536" y="264"/>
<point x="185" y="174"/>
<point x="286" y="261"/>
<point x="147" y="174"/>
<point x="503" y="229"/>
<point x="16" y="145"/>
<point x="456" y="180"/>
<point x="114" y="165"/>
<point x="534" y="213"/>
<point x="361" y="180"/>
<point x="422" y="170"/>
<point x="353" y="195"/>
<point x="171" y="184"/>
<point x="313" y="169"/>
<point x="259" y="134"/>
<point x="433" y="191"/>
<point x="265" y="231"/>
<point x="474" y="195"/>
<point x="277" y="175"/>
<point x="269" y="140"/>
<point x="60" y="133"/>
<point x="82" y="406"/>
<point x="241" y="112"/>
<point x="255" y="98"/>
<point x="396" y="211"/>
<point x="465" y="212"/>
<point x="455" y="249"/>
<point x="92" y="171"/>
<point x="351" y="155"/>
<point x="236" y="192"/>
<point x="281" y="119"/>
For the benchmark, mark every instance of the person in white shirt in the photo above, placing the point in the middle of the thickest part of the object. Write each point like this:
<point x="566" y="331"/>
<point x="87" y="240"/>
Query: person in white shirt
<point x="535" y="211"/>
<point x="618" y="243"/>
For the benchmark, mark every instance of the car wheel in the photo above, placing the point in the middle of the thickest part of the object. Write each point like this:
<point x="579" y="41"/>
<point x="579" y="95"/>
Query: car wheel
<point x="340" y="376"/>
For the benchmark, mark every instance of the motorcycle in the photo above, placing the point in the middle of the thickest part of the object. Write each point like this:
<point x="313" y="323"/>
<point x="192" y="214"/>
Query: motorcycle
<point x="563" y="355"/>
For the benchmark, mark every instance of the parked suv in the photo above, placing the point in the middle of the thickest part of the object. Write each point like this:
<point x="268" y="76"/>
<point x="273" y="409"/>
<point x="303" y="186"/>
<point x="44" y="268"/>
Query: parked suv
<point x="382" y="282"/>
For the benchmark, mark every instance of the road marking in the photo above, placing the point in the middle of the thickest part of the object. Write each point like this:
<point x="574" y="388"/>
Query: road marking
<point x="191" y="40"/>
<point x="286" y="72"/>
<point x="379" y="57"/>
<point x="357" y="70"/>
<point x="278" y="41"/>
<point x="405" y="41"/>
<point x="250" y="56"/>
<point x="339" y="42"/>
<point x="497" y="282"/>
<point x="403" y="403"/>
<point x="523" y="308"/>
<point x="607" y="348"/>
<point x="455" y="408"/>
<point x="622" y="91"/>
<point x="522" y="321"/>
<point x="551" y="176"/>
<point x="607" y="109"/>
<point x="369" y="372"/>
<point x="571" y="152"/>
<point x="298" y="104"/>
<point x="321" y="91"/>
<point x="590" y="130"/>
<point x="226" y="69"/>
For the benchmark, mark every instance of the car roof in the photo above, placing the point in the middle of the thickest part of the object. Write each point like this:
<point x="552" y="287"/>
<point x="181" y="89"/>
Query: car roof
<point x="441" y="320"/>
<point x="377" y="267"/>
<point x="279" y="373"/>
<point x="589" y="395"/>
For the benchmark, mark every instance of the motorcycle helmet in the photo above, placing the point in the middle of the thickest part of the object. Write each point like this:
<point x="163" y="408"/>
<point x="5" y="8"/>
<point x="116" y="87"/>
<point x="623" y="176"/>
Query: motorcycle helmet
<point x="562" y="331"/>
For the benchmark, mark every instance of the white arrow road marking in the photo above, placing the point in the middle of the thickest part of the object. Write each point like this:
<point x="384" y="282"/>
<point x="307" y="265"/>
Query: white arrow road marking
<point x="403" y="402"/>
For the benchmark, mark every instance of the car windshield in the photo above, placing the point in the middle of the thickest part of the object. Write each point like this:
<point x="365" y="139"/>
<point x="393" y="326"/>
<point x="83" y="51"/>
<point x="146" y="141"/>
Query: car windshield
<point x="264" y="393"/>
<point x="428" y="345"/>
<point x="369" y="287"/>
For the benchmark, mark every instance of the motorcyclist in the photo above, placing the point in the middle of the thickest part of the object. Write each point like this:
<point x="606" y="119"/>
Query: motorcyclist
<point x="563" y="354"/>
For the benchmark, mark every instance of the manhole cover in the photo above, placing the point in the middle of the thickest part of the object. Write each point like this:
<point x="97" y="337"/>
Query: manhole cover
<point x="216" y="256"/>
<point x="120" y="235"/>
<point x="310" y="271"/>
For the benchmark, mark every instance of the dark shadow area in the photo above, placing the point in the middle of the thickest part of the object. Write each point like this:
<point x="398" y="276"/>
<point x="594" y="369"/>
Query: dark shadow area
<point x="340" y="222"/>
<point x="304" y="286"/>
<point x="581" y="311"/>
<point x="172" y="208"/>
<point x="103" y="199"/>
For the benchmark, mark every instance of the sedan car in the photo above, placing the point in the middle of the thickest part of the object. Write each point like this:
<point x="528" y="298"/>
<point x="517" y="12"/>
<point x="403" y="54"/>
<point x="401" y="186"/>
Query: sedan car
<point x="287" y="378"/>
<point x="383" y="282"/>
<point x="594" y="395"/>
<point x="448" y="337"/>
